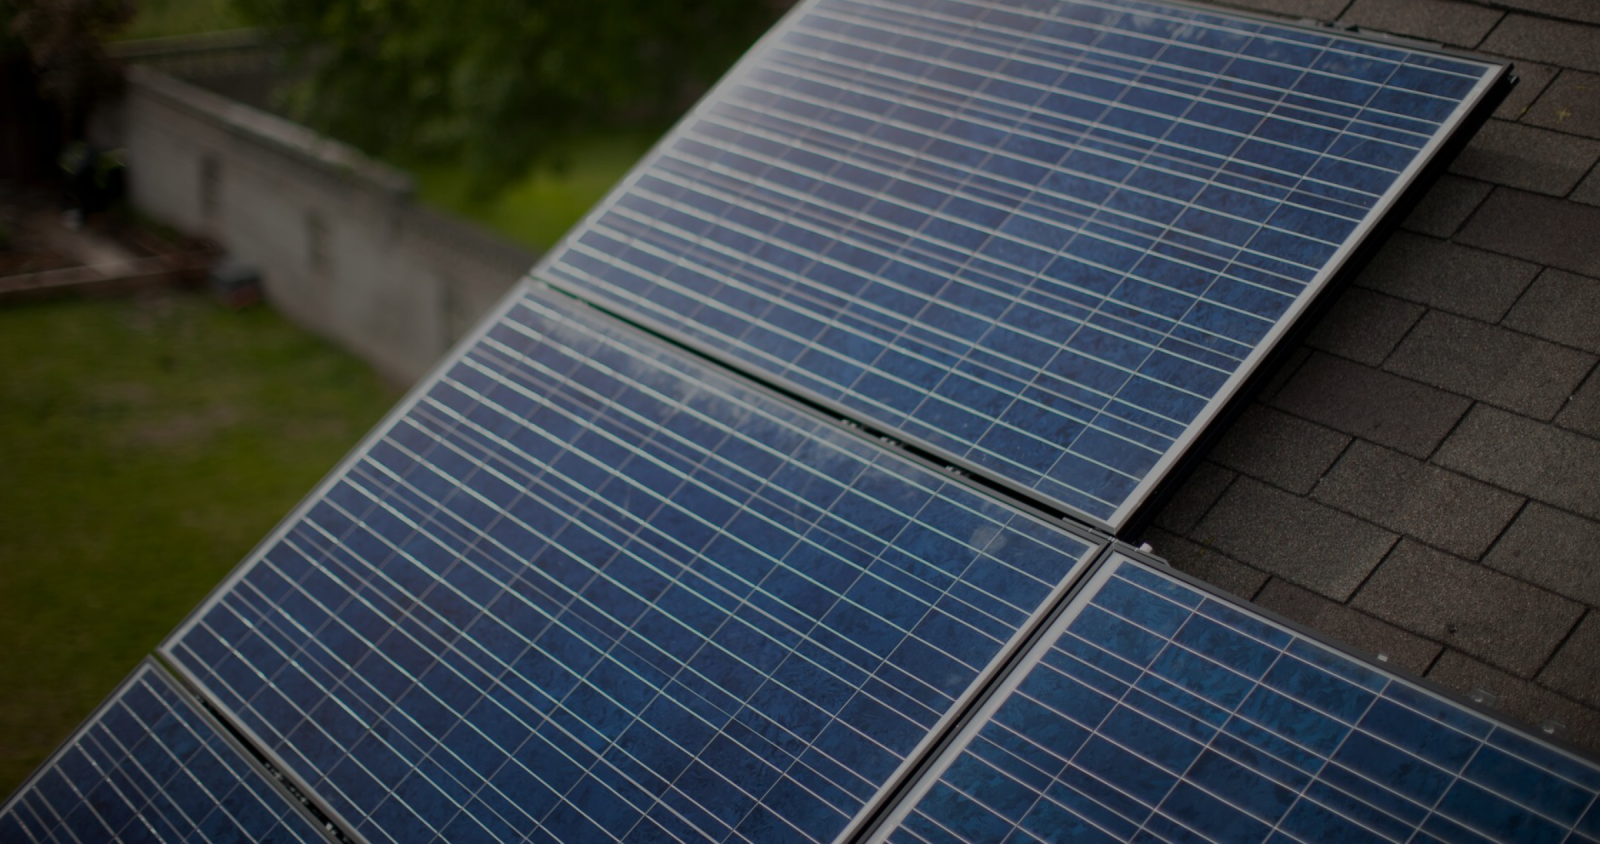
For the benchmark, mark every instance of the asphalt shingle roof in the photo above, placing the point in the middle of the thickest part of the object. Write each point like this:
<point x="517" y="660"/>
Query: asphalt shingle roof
<point x="1422" y="479"/>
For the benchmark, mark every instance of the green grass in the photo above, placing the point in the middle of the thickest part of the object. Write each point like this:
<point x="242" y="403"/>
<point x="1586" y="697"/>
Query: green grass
<point x="160" y="18"/>
<point x="539" y="208"/>
<point x="146" y="445"/>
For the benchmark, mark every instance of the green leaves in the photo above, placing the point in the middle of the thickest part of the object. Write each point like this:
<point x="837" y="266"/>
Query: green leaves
<point x="500" y="86"/>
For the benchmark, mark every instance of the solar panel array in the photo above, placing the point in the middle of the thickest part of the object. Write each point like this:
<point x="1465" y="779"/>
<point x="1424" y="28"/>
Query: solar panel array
<point x="587" y="584"/>
<point x="147" y="766"/>
<point x="1045" y="239"/>
<point x="588" y="589"/>
<point x="1157" y="711"/>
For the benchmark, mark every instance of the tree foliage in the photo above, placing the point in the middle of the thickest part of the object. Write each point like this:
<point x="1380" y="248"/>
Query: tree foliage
<point x="64" y="41"/>
<point x="502" y="85"/>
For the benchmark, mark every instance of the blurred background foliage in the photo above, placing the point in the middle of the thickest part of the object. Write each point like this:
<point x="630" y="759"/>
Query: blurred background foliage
<point x="65" y="42"/>
<point x="163" y="18"/>
<point x="515" y="114"/>
<point x="499" y="88"/>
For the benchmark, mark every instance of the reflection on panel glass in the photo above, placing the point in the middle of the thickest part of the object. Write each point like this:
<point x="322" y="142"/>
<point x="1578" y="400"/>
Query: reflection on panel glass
<point x="1040" y="238"/>
<point x="587" y="586"/>
<point x="586" y="589"/>
<point x="1158" y="712"/>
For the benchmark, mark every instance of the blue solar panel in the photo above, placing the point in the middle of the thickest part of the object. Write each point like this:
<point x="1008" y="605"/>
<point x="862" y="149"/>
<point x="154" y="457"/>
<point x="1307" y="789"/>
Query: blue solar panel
<point x="1047" y="240"/>
<point x="147" y="766"/>
<point x="1157" y="711"/>
<point x="583" y="588"/>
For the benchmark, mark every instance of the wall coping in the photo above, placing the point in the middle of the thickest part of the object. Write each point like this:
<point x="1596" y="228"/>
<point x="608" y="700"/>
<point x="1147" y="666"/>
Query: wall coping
<point x="292" y="139"/>
<point x="227" y="40"/>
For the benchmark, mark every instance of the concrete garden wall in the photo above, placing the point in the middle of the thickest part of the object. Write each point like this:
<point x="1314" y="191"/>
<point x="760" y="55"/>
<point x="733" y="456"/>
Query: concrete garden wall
<point x="341" y="246"/>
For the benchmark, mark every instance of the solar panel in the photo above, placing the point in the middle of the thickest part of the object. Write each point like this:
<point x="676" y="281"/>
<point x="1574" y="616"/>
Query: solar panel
<point x="585" y="585"/>
<point x="148" y="766"/>
<point x="585" y="588"/>
<point x="1156" y="710"/>
<point x="1047" y="240"/>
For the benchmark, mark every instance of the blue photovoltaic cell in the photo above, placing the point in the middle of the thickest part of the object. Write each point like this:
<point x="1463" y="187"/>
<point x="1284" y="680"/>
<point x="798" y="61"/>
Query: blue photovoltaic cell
<point x="1046" y="239"/>
<point x="1164" y="713"/>
<point x="586" y="589"/>
<point x="148" y="767"/>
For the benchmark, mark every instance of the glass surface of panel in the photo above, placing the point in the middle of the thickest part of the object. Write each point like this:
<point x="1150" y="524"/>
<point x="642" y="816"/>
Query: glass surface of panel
<point x="147" y="766"/>
<point x="1044" y="239"/>
<point x="586" y="589"/>
<point x="1157" y="711"/>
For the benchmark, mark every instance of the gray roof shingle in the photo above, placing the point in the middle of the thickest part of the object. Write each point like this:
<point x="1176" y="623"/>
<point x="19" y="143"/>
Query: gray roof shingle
<point x="1540" y="461"/>
<point x="1282" y="450"/>
<point x="1441" y="597"/>
<point x="1446" y="275"/>
<point x="1372" y="404"/>
<point x="1422" y="477"/>
<point x="1575" y="669"/>
<point x="1553" y="549"/>
<point x="1570" y="105"/>
<point x="1528" y="157"/>
<point x="1578" y="10"/>
<point x="1582" y="413"/>
<point x="1532" y="80"/>
<point x="1415" y="498"/>
<point x="1364" y="326"/>
<point x="1491" y="364"/>
<point x="1444" y="21"/>
<point x="1556" y="42"/>
<point x="1560" y="307"/>
<point x="1588" y="191"/>
<point x="1447" y="205"/>
<point x="1540" y="229"/>
<point x="1327" y="551"/>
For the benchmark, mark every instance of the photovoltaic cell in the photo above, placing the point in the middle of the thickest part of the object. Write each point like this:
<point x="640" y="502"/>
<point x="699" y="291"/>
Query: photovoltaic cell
<point x="1157" y="711"/>
<point x="584" y="588"/>
<point x="1045" y="239"/>
<point x="147" y="766"/>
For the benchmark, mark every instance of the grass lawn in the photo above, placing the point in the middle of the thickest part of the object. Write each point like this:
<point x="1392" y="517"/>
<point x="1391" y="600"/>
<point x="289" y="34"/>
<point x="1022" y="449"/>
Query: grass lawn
<point x="146" y="445"/>
<point x="537" y="209"/>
